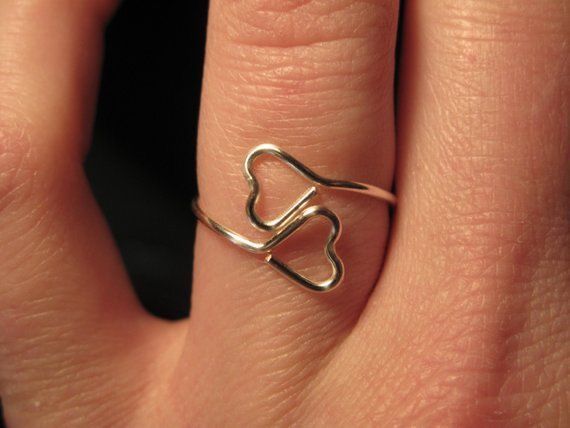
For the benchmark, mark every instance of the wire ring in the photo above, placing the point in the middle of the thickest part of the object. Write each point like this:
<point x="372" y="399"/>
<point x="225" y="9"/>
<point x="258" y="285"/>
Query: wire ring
<point x="293" y="218"/>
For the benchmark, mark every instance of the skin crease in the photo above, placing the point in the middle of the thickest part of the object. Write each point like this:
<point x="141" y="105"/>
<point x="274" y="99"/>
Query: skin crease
<point x="466" y="323"/>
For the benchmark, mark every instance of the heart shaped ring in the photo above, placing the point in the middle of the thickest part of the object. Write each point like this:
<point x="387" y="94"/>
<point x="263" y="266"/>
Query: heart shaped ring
<point x="293" y="218"/>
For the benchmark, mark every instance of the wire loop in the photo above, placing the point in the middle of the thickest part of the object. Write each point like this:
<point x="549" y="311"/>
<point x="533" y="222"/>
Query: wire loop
<point x="293" y="218"/>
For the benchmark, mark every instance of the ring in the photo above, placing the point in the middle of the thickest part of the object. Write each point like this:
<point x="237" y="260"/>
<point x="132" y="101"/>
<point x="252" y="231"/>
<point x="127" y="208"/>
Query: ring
<point x="294" y="217"/>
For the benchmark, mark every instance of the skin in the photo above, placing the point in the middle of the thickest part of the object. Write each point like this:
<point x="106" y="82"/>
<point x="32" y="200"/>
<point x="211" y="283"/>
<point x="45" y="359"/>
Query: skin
<point x="455" y="309"/>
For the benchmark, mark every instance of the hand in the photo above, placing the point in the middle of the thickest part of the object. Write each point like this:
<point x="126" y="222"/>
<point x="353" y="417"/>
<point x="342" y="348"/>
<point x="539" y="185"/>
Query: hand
<point x="460" y="318"/>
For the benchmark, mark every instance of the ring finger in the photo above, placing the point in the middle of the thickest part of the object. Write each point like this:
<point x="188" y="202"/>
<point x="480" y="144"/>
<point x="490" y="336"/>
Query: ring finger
<point x="316" y="79"/>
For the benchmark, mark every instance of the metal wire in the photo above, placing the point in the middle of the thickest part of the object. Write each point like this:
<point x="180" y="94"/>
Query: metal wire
<point x="293" y="218"/>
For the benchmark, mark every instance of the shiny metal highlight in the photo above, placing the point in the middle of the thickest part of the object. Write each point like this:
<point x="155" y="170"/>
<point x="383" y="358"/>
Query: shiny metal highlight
<point x="297" y="215"/>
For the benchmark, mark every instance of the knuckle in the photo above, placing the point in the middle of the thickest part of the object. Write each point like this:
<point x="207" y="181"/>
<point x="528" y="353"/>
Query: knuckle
<point x="301" y="46"/>
<point x="298" y="23"/>
<point x="277" y="64"/>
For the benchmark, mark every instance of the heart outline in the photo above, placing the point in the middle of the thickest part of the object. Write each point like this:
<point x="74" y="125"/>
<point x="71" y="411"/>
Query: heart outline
<point x="280" y="236"/>
<point x="307" y="173"/>
<point x="334" y="260"/>
<point x="254" y="188"/>
<point x="293" y="218"/>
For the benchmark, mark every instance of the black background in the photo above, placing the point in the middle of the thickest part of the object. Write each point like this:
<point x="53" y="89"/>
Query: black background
<point x="141" y="165"/>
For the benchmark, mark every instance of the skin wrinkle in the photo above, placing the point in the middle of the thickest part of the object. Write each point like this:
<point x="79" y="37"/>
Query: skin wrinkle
<point x="249" y="23"/>
<point x="279" y="390"/>
<point x="281" y="113"/>
<point x="298" y="69"/>
<point x="237" y="134"/>
<point x="505" y="230"/>
<point x="49" y="321"/>
<point x="16" y="173"/>
<point x="471" y="335"/>
<point x="64" y="341"/>
<point x="98" y="396"/>
<point x="506" y="257"/>
<point x="38" y="221"/>
<point x="271" y="92"/>
<point x="290" y="389"/>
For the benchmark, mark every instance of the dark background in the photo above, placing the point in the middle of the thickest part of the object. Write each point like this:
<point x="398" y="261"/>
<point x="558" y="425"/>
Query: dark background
<point x="141" y="165"/>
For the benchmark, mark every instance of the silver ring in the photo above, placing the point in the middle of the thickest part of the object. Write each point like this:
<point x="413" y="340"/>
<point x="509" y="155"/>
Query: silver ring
<point x="286" y="224"/>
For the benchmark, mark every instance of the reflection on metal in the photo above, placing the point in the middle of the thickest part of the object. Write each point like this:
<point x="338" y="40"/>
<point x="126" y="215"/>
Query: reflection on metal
<point x="294" y="217"/>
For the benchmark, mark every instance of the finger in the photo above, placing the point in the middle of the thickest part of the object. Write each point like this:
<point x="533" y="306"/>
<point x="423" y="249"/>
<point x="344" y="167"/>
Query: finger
<point x="314" y="78"/>
<point x="475" y="292"/>
<point x="68" y="319"/>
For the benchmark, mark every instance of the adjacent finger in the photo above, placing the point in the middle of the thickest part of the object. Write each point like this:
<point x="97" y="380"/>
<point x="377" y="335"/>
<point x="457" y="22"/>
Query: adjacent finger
<point x="68" y="318"/>
<point x="474" y="300"/>
<point x="314" y="78"/>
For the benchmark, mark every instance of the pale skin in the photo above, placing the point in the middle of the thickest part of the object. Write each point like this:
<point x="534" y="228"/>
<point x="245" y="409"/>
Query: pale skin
<point x="456" y="306"/>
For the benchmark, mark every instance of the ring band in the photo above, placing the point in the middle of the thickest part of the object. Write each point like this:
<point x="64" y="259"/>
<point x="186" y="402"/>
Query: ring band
<point x="286" y="224"/>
